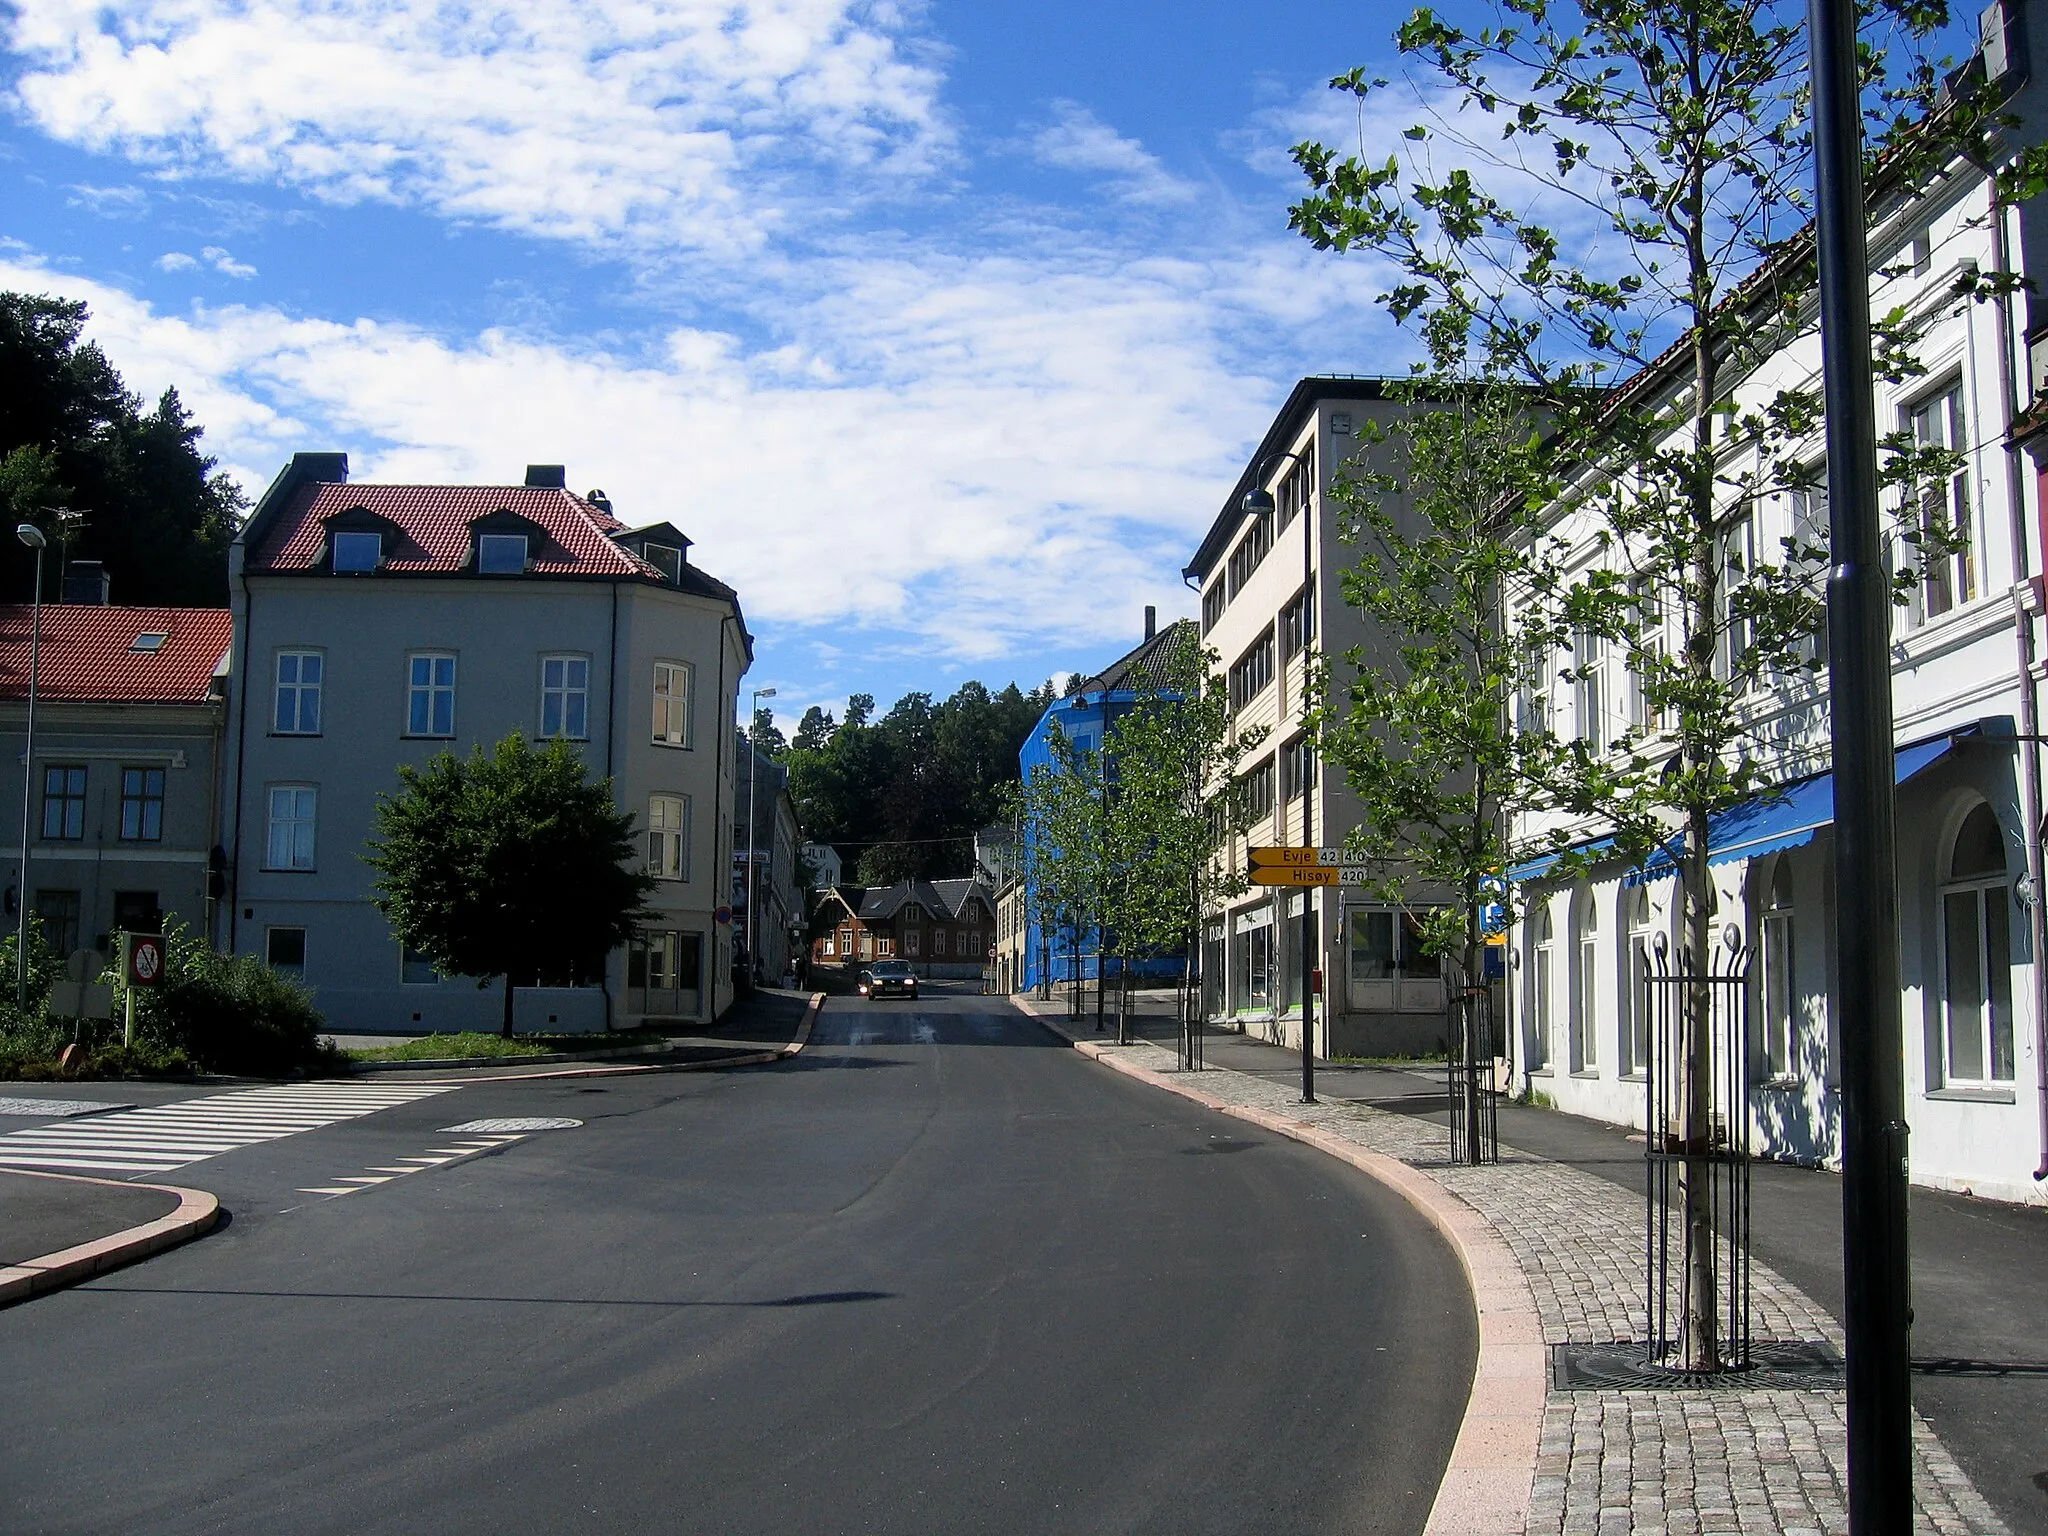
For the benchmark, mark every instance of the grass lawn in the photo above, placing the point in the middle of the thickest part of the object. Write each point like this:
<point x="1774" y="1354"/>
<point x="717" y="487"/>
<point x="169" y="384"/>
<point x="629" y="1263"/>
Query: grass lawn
<point x="477" y="1045"/>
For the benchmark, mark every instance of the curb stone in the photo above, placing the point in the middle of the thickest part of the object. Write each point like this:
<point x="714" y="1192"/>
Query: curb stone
<point x="196" y="1213"/>
<point x="1492" y="1468"/>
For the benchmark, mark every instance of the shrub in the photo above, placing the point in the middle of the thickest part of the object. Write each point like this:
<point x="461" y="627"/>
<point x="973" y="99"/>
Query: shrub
<point x="230" y="1013"/>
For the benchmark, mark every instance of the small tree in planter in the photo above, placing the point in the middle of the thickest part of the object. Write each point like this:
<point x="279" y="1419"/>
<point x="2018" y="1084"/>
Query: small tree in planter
<point x="510" y="864"/>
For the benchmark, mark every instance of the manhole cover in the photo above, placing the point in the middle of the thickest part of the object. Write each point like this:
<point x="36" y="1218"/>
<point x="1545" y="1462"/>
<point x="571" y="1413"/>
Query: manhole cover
<point x="1774" y="1366"/>
<point x="473" y="1126"/>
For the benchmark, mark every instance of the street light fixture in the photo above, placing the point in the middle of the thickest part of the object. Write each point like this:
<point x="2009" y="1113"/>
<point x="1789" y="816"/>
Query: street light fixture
<point x="32" y="536"/>
<point x="1258" y="502"/>
<point x="753" y="773"/>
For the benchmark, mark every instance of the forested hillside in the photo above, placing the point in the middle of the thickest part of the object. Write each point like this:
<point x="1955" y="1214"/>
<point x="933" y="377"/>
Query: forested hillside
<point x="903" y="794"/>
<point x="154" y="509"/>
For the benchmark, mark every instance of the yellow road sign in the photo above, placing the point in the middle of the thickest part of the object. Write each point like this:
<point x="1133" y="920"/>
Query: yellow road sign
<point x="1294" y="874"/>
<point x="1283" y="858"/>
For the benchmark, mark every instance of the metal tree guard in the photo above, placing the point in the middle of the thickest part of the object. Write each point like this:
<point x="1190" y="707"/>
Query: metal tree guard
<point x="1698" y="1153"/>
<point x="1474" y="1095"/>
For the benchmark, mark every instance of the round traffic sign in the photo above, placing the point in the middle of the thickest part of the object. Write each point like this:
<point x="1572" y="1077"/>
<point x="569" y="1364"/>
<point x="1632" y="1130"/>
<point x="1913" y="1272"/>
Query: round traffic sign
<point x="722" y="915"/>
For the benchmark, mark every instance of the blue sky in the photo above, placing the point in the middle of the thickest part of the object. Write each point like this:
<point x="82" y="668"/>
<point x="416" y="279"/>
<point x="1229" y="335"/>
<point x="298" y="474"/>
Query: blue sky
<point x="941" y="329"/>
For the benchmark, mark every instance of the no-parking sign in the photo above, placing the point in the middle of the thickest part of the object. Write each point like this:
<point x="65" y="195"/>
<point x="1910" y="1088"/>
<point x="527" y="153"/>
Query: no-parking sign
<point x="145" y="960"/>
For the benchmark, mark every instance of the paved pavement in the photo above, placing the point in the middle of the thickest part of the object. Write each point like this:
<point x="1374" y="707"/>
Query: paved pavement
<point x="41" y="1216"/>
<point x="1981" y="1348"/>
<point x="934" y="1274"/>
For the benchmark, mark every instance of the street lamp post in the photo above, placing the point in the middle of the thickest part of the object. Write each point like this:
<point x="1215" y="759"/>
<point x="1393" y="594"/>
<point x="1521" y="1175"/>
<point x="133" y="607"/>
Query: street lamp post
<point x="32" y="536"/>
<point x="753" y="773"/>
<point x="1258" y="502"/>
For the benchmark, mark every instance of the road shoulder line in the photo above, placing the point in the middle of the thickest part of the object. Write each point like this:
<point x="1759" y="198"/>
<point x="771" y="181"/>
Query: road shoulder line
<point x="196" y="1213"/>
<point x="1488" y="1480"/>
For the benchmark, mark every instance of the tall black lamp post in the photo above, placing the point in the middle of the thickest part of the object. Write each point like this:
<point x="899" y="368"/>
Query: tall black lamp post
<point x="1258" y="502"/>
<point x="32" y="536"/>
<point x="1877" y="1314"/>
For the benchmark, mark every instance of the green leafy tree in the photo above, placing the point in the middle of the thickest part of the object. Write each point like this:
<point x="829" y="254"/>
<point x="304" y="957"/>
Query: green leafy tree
<point x="510" y="864"/>
<point x="1176" y="803"/>
<point x="156" y="510"/>
<point x="1060" y="819"/>
<point x="1667" y="209"/>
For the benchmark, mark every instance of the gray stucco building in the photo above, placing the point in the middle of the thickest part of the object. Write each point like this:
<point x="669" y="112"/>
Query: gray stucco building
<point x="381" y="624"/>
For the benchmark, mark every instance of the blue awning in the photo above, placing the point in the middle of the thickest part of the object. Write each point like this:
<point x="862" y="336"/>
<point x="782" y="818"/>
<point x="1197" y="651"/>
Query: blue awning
<point x="1789" y="816"/>
<point x="1536" y="869"/>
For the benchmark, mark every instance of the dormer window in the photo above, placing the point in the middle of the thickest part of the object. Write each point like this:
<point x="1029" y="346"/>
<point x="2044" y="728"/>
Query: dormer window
<point x="501" y="554"/>
<point x="665" y="558"/>
<point x="358" y="551"/>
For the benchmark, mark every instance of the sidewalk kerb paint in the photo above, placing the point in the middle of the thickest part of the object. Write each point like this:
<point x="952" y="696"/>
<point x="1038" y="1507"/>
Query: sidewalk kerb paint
<point x="197" y="1212"/>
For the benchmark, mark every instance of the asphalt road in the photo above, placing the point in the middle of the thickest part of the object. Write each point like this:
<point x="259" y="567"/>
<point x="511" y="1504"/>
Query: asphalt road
<point x="936" y="1274"/>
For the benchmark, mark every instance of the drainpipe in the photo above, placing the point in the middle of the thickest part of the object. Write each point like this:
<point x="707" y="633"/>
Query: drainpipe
<point x="240" y="682"/>
<point x="2026" y="596"/>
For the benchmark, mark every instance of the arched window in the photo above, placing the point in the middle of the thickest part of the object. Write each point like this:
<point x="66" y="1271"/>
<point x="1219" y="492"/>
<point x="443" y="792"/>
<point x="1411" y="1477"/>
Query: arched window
<point x="1542" y="984"/>
<point x="1976" y="955"/>
<point x="1778" y="981"/>
<point x="1585" y="981"/>
<point x="1639" y="1001"/>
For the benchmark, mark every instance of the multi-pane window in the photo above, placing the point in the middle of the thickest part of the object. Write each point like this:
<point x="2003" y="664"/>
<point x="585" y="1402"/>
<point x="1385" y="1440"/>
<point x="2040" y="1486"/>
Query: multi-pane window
<point x="299" y="675"/>
<point x="1213" y="603"/>
<point x="415" y="969"/>
<point x="1944" y="510"/>
<point x="1643" y="715"/>
<point x="1780" y="992"/>
<point x="1811" y="531"/>
<point x="1586" y="986"/>
<point x="565" y="696"/>
<point x="142" y="805"/>
<point x="1298" y="489"/>
<point x="1590" y="719"/>
<point x="1252" y="671"/>
<point x="1251" y="549"/>
<point x="293" y="809"/>
<point x="1534" y="704"/>
<point x="1298" y="621"/>
<point x="1641" y="1000"/>
<point x="671" y="704"/>
<point x="430" y="695"/>
<point x="1976" y="923"/>
<point x="668" y="837"/>
<point x="1297" y="767"/>
<point x="1256" y="788"/>
<point x="1736" y="630"/>
<point x="1542" y="983"/>
<point x="58" y="913"/>
<point x="939" y="942"/>
<point x="501" y="554"/>
<point x="64" y="802"/>
<point x="665" y="558"/>
<point x="1386" y="945"/>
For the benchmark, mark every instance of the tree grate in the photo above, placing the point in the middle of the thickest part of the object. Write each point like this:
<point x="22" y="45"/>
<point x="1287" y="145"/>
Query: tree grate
<point x="1774" y="1366"/>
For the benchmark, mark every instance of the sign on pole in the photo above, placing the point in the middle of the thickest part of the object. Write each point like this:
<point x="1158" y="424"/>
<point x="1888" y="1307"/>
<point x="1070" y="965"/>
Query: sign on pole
<point x="145" y="960"/>
<point x="1308" y="874"/>
<point x="1334" y="858"/>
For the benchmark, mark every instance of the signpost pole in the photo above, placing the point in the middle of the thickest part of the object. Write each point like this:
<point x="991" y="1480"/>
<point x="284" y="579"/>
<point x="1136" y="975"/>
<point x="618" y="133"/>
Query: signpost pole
<point x="127" y="993"/>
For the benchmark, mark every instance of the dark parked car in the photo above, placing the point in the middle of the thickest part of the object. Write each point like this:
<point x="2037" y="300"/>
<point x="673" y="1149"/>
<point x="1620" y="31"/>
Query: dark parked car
<point x="888" y="978"/>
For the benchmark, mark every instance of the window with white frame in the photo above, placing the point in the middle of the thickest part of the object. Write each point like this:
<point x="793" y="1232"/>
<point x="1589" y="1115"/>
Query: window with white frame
<point x="1643" y="715"/>
<point x="668" y="837"/>
<point x="1777" y="956"/>
<point x="939" y="942"/>
<point x="1542" y="983"/>
<point x="1589" y="721"/>
<point x="1640" y="993"/>
<point x="293" y="813"/>
<point x="1943" y="511"/>
<point x="357" y="552"/>
<point x="501" y="554"/>
<point x="299" y="678"/>
<point x="1535" y="700"/>
<point x="1976" y="934"/>
<point x="1585" y="984"/>
<point x="430" y="694"/>
<point x="565" y="696"/>
<point x="671" y="704"/>
<point x="1735" y="630"/>
<point x="1810" y="539"/>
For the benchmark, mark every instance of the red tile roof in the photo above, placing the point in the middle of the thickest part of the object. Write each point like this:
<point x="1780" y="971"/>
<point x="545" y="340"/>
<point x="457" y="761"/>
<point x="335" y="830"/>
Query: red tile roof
<point x="88" y="653"/>
<point x="434" y="528"/>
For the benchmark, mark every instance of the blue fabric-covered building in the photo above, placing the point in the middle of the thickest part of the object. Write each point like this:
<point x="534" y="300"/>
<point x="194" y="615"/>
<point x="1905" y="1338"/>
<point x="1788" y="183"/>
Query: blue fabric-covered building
<point x="1051" y="953"/>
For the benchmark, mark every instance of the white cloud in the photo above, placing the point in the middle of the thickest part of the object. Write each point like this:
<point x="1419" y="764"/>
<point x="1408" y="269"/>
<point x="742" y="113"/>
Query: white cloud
<point x="177" y="261"/>
<point x="218" y="258"/>
<point x="1076" y="140"/>
<point x="680" y="121"/>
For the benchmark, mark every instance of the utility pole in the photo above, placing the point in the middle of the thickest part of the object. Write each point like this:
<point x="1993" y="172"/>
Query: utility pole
<point x="1876" y="1269"/>
<point x="754" y="773"/>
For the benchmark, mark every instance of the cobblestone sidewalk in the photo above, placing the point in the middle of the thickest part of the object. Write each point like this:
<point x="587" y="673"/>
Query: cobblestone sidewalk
<point x="1668" y="1463"/>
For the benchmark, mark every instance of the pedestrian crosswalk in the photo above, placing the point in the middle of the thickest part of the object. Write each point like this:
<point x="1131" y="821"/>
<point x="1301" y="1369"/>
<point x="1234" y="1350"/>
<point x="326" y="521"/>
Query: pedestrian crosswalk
<point x="160" y="1137"/>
